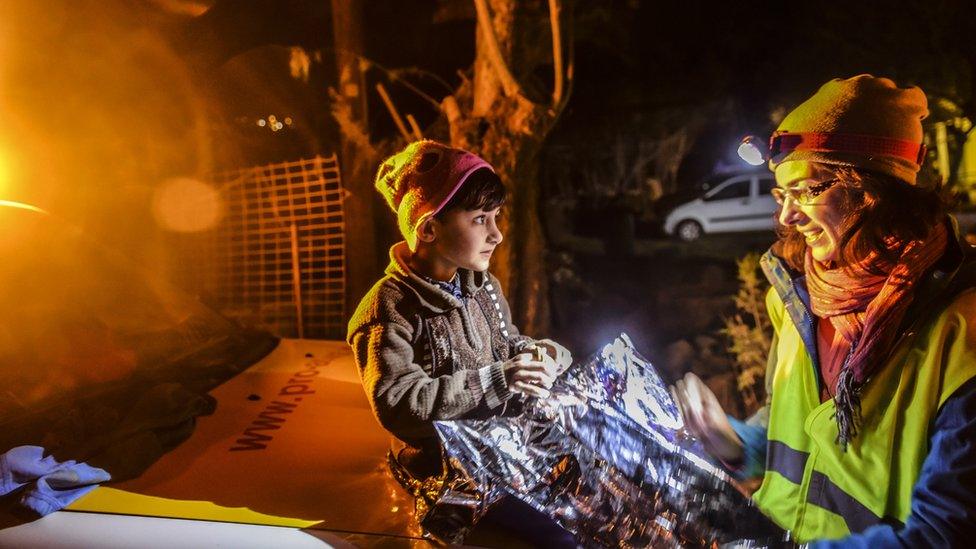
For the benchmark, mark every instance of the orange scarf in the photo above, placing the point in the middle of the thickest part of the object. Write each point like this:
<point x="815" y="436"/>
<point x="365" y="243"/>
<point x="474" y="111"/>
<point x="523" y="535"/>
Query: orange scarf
<point x="867" y="309"/>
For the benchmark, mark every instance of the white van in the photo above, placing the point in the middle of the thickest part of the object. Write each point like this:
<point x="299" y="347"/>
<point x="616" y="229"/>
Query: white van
<point x="739" y="203"/>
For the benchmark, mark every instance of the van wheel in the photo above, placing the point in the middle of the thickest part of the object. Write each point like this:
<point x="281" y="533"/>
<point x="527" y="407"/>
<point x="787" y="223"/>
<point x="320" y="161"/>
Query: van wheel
<point x="689" y="230"/>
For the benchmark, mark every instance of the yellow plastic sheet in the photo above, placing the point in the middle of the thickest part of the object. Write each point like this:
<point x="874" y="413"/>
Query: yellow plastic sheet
<point x="293" y="442"/>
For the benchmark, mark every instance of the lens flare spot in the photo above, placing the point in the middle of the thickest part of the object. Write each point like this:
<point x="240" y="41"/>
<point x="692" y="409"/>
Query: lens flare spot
<point x="186" y="205"/>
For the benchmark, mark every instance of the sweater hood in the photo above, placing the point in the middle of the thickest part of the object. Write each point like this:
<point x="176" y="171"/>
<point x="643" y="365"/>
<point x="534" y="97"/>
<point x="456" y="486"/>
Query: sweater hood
<point x="429" y="295"/>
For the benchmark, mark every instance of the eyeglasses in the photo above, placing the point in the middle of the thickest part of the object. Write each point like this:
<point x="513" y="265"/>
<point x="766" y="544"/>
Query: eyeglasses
<point x="803" y="196"/>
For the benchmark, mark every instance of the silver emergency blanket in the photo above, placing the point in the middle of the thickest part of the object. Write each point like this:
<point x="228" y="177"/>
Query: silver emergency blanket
<point x="607" y="458"/>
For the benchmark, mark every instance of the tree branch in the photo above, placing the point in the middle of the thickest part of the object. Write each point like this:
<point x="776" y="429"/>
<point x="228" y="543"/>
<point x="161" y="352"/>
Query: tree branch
<point x="393" y="111"/>
<point x="415" y="127"/>
<point x="569" y="56"/>
<point x="557" y="52"/>
<point x="351" y="126"/>
<point x="452" y="111"/>
<point x="509" y="85"/>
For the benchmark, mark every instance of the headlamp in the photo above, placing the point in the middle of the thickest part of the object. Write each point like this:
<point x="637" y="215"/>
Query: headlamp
<point x="754" y="151"/>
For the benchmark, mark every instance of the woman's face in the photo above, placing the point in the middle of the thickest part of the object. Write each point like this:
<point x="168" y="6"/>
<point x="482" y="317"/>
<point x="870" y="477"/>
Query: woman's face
<point x="820" y="219"/>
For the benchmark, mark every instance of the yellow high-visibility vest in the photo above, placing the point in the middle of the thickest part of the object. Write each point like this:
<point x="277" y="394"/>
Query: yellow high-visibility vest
<point x="818" y="491"/>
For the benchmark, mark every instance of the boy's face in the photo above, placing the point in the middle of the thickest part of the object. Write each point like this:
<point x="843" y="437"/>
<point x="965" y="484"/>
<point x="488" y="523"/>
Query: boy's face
<point x="466" y="239"/>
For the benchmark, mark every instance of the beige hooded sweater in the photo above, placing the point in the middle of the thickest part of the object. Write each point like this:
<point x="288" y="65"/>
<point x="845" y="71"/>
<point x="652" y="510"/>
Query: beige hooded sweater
<point x="424" y="355"/>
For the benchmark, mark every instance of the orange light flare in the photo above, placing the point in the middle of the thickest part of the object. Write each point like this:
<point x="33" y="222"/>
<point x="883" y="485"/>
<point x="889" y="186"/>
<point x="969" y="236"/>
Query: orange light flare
<point x="17" y="219"/>
<point x="5" y="175"/>
<point x="186" y="205"/>
<point x="21" y="206"/>
<point x="98" y="111"/>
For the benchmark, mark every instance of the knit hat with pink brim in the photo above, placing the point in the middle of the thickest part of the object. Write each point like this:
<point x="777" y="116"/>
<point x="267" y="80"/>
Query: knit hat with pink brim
<point x="863" y="122"/>
<point x="420" y="180"/>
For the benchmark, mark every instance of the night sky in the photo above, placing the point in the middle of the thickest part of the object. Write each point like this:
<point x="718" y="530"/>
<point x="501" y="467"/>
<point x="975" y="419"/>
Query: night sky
<point x="715" y="70"/>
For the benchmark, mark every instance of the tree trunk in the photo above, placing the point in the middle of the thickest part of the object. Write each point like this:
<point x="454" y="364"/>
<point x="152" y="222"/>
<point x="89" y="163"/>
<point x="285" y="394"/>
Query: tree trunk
<point x="521" y="266"/>
<point x="355" y="156"/>
<point x="493" y="116"/>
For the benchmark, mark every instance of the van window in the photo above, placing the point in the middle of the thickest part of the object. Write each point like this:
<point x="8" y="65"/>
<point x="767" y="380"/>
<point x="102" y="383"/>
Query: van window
<point x="737" y="189"/>
<point x="766" y="185"/>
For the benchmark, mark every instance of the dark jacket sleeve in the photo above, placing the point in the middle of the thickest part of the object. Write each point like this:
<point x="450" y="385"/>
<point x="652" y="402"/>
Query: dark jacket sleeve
<point x="404" y="397"/>
<point x="754" y="443"/>
<point x="944" y="498"/>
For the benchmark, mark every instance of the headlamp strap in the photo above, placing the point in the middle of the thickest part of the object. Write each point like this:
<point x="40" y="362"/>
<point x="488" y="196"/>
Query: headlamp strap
<point x="786" y="142"/>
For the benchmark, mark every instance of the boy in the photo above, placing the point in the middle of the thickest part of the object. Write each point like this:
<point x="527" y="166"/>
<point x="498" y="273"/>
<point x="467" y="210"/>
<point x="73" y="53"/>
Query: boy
<point x="434" y="339"/>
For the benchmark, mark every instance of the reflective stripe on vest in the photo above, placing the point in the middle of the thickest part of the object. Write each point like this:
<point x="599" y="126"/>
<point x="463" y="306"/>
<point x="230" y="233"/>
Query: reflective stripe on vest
<point x="814" y="488"/>
<point x="823" y="492"/>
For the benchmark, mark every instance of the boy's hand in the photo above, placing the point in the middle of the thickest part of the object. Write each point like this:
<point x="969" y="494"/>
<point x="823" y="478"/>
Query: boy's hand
<point x="531" y="375"/>
<point x="562" y="356"/>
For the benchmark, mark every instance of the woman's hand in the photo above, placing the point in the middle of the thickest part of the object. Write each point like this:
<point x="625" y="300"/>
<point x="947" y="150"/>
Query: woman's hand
<point x="704" y="418"/>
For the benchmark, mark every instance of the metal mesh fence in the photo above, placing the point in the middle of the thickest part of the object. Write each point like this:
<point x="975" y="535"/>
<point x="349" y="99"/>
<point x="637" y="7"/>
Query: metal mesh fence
<point x="276" y="260"/>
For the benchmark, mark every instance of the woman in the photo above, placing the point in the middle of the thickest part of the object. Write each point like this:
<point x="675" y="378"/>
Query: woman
<point x="868" y="433"/>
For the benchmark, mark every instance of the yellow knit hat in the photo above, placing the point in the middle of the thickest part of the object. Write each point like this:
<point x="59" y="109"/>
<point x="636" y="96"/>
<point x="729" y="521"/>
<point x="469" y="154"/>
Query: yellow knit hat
<point x="863" y="122"/>
<point x="420" y="180"/>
